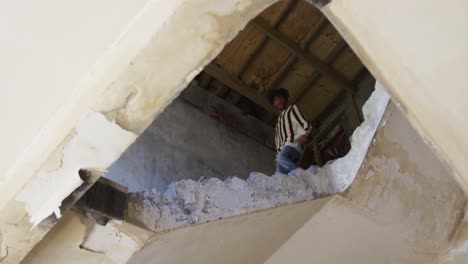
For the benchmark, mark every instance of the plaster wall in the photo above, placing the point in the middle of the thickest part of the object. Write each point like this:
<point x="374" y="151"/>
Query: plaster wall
<point x="418" y="50"/>
<point x="58" y="57"/>
<point x="62" y="244"/>
<point x="249" y="238"/>
<point x="343" y="232"/>
<point x="187" y="142"/>
<point x="404" y="183"/>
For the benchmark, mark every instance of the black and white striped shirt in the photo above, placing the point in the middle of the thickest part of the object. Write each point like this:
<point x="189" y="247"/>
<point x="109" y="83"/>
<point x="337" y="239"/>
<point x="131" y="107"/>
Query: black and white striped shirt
<point x="290" y="126"/>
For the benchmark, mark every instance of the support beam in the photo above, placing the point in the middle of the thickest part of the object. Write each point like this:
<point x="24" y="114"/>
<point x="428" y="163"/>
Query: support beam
<point x="204" y="80"/>
<point x="334" y="54"/>
<point x="292" y="59"/>
<point x="299" y="52"/>
<point x="317" y="154"/>
<point x="330" y="107"/>
<point x="357" y="114"/>
<point x="276" y="22"/>
<point x="360" y="75"/>
<point x="221" y="75"/>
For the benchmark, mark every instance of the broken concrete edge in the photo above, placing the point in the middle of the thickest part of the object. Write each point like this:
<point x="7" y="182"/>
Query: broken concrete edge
<point x="188" y="202"/>
<point x="89" y="178"/>
<point x="96" y="144"/>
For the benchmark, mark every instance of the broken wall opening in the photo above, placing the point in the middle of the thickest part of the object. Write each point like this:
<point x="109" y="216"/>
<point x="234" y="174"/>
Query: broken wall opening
<point x="291" y="45"/>
<point x="198" y="155"/>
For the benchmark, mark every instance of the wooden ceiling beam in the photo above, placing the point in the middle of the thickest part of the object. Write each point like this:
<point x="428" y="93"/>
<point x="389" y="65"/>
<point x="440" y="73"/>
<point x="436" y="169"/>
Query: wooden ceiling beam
<point x="357" y="114"/>
<point x="204" y="80"/>
<point x="223" y="76"/>
<point x="329" y="108"/>
<point x="276" y="22"/>
<point x="313" y="35"/>
<point x="301" y="53"/>
<point x="334" y="54"/>
<point x="360" y="75"/>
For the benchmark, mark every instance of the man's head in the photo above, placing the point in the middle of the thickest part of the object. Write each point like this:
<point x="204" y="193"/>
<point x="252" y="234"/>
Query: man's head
<point x="279" y="98"/>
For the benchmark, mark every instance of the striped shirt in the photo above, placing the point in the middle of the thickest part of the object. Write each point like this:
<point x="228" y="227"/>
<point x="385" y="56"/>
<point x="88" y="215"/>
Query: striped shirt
<point x="290" y="126"/>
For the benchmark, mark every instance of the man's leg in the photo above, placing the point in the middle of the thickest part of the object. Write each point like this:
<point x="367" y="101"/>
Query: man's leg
<point x="287" y="159"/>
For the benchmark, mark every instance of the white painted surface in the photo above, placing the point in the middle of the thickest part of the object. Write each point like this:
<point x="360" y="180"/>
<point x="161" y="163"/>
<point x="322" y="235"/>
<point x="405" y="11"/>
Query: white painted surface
<point x="48" y="47"/>
<point x="45" y="193"/>
<point x="57" y="59"/>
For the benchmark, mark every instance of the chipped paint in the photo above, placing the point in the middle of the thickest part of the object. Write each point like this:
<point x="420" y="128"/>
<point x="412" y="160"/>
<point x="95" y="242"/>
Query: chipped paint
<point x="96" y="144"/>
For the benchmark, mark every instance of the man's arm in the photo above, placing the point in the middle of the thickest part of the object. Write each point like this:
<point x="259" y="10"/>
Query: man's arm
<point x="300" y="118"/>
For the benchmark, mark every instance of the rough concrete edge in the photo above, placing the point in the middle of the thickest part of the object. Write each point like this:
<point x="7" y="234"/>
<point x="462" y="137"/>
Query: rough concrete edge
<point x="318" y="205"/>
<point x="189" y="202"/>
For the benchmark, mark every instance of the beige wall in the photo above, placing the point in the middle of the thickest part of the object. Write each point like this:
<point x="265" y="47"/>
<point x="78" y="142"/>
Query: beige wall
<point x="343" y="232"/>
<point x="48" y="48"/>
<point x="407" y="187"/>
<point x="418" y="50"/>
<point x="248" y="239"/>
<point x="57" y="58"/>
<point x="62" y="245"/>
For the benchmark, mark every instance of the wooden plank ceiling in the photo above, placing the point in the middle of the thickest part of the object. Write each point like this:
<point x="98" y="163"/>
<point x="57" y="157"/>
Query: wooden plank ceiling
<point x="289" y="45"/>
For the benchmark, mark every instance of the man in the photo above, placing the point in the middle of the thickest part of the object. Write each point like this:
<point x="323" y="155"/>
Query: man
<point x="292" y="132"/>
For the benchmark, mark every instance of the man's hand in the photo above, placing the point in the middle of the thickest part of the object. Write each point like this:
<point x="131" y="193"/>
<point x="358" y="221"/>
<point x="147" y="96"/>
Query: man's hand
<point x="304" y="139"/>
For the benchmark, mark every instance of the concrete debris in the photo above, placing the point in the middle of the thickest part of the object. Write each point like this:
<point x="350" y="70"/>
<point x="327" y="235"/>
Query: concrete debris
<point x="188" y="202"/>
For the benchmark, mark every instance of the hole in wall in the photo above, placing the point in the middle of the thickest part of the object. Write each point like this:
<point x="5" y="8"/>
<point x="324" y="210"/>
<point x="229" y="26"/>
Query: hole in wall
<point x="223" y="125"/>
<point x="211" y="153"/>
